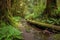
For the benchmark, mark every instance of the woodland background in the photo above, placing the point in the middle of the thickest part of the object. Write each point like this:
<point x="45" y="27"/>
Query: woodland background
<point x="13" y="11"/>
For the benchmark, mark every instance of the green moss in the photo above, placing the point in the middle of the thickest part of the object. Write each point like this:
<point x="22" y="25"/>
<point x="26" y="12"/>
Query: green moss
<point x="56" y="37"/>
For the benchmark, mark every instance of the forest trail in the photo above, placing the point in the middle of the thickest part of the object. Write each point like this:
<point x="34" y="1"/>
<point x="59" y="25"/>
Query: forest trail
<point x="26" y="35"/>
<point x="30" y="33"/>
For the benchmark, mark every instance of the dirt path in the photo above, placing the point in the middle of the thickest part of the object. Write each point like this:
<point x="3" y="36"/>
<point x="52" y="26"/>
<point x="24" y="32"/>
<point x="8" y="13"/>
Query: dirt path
<point x="33" y="34"/>
<point x="26" y="35"/>
<point x="30" y="33"/>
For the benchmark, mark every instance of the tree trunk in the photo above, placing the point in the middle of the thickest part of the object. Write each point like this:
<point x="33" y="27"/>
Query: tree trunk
<point x="5" y="5"/>
<point x="51" y="7"/>
<point x="43" y="25"/>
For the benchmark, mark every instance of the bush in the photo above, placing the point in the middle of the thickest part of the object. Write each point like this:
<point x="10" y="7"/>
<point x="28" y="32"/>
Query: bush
<point x="8" y="32"/>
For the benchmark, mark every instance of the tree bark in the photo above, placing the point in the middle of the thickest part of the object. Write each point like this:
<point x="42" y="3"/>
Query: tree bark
<point x="5" y="6"/>
<point x="51" y="7"/>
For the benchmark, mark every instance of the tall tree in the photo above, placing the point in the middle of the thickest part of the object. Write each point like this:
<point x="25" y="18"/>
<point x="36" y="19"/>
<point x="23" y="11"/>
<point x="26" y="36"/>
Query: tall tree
<point x="5" y="6"/>
<point x="51" y="7"/>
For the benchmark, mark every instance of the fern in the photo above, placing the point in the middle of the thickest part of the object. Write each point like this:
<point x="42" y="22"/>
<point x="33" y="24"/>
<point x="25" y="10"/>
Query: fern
<point x="8" y="32"/>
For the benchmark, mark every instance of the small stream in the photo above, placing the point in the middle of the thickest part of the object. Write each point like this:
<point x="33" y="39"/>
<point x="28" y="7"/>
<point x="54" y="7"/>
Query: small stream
<point x="32" y="33"/>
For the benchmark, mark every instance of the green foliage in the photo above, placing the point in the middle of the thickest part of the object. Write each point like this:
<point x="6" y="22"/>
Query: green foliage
<point x="8" y="32"/>
<point x="35" y="9"/>
<point x="16" y="18"/>
<point x="56" y="37"/>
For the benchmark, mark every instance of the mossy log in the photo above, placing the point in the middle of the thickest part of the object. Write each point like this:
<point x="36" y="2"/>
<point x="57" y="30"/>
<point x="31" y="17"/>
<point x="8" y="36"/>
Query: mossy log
<point x="44" y="25"/>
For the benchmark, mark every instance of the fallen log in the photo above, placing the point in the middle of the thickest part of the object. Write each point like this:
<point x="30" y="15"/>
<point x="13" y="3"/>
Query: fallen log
<point x="44" y="25"/>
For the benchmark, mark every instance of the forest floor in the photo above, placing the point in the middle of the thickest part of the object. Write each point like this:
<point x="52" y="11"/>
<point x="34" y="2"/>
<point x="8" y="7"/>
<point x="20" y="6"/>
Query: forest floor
<point x="31" y="33"/>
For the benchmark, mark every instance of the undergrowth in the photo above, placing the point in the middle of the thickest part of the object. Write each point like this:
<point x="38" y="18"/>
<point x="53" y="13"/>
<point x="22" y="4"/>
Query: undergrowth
<point x="8" y="32"/>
